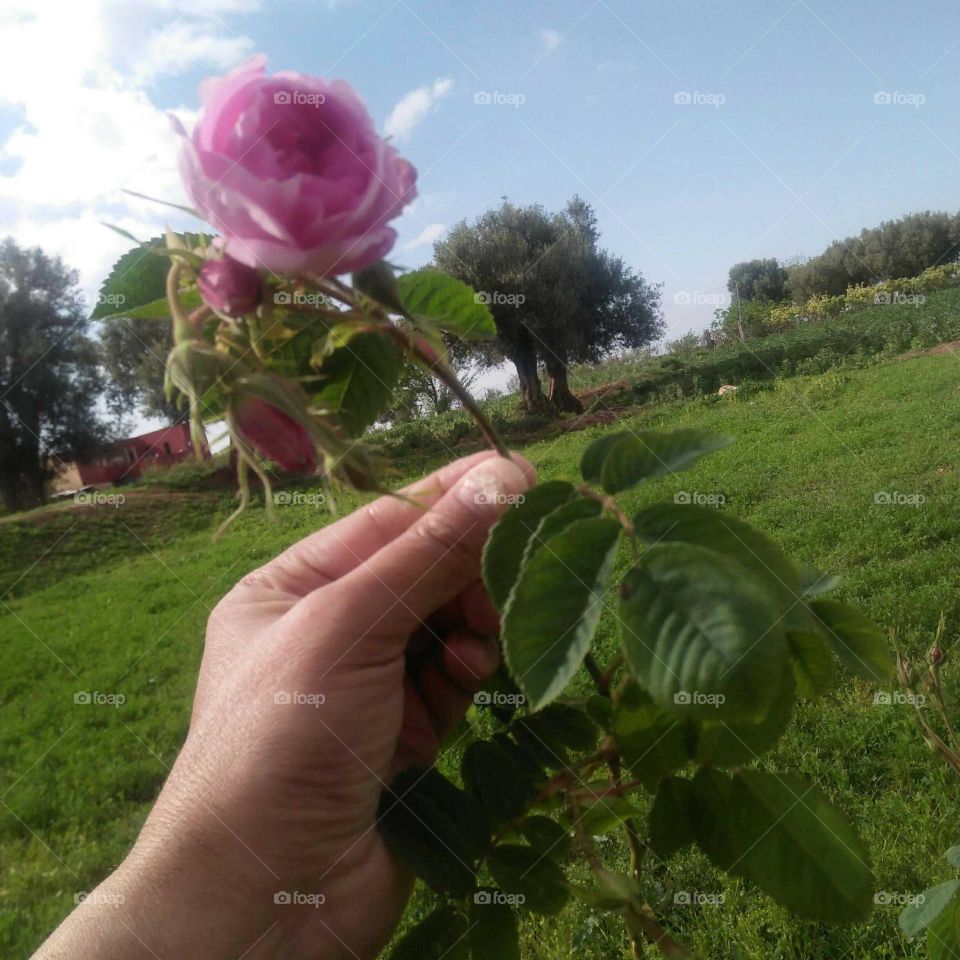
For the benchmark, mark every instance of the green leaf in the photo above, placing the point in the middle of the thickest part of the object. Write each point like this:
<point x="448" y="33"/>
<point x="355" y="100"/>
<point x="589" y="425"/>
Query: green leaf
<point x="738" y="743"/>
<point x="952" y="856"/>
<point x="782" y="834"/>
<point x="613" y="892"/>
<point x="858" y="643"/>
<point x="442" y="935"/>
<point x="379" y="283"/>
<point x="525" y="872"/>
<point x="928" y="906"/>
<point x="358" y="380"/>
<point x="555" y="605"/>
<point x="943" y="935"/>
<point x="652" y="742"/>
<point x="623" y="460"/>
<point x="813" y="582"/>
<point x="718" y="530"/>
<point x="547" y="836"/>
<point x="446" y="302"/>
<point x="579" y="508"/>
<point x="493" y="928"/>
<point x="137" y="279"/>
<point x="558" y="727"/>
<point x="699" y="635"/>
<point x="434" y="828"/>
<point x="505" y="546"/>
<point x="812" y="662"/>
<point x="606" y="814"/>
<point x="492" y="774"/>
<point x="672" y="817"/>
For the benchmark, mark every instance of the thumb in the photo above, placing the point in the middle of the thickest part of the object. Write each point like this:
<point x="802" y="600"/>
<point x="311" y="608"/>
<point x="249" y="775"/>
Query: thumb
<point x="438" y="556"/>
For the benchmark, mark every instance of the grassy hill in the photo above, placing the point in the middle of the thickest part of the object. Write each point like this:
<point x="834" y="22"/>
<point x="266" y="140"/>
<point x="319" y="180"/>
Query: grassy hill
<point x="114" y="599"/>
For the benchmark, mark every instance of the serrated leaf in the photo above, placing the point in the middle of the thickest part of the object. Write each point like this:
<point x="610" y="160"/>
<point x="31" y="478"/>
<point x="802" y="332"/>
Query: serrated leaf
<point x="555" y="605"/>
<point x="357" y="380"/>
<point x="525" y="872"/>
<point x="859" y="644"/>
<point x="782" y="834"/>
<point x="547" y="836"/>
<point x="726" y="534"/>
<point x="503" y="552"/>
<point x="559" y="727"/>
<point x="492" y="774"/>
<point x="448" y="303"/>
<point x="442" y="935"/>
<point x="379" y="283"/>
<point x="579" y="508"/>
<point x="952" y="856"/>
<point x="619" y="462"/>
<point x="919" y="915"/>
<point x="138" y="278"/>
<point x="671" y="820"/>
<point x="434" y="828"/>
<point x="699" y="635"/>
<point x="493" y="929"/>
<point x="652" y="742"/>
<point x="812" y="662"/>
<point x="738" y="743"/>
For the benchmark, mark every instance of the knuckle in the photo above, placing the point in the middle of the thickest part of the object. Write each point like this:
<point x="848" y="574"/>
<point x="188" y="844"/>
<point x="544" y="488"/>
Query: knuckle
<point x="451" y="542"/>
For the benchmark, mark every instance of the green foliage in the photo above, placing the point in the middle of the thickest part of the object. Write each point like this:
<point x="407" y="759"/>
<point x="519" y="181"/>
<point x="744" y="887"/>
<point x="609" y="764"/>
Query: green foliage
<point x="437" y="298"/>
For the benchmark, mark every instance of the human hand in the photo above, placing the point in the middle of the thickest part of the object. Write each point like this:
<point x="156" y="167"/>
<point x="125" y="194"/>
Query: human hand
<point x="339" y="663"/>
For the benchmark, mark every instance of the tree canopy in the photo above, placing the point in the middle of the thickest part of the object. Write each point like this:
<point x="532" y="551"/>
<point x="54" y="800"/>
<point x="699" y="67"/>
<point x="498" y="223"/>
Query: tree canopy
<point x="762" y="279"/>
<point x="49" y="373"/>
<point x="557" y="297"/>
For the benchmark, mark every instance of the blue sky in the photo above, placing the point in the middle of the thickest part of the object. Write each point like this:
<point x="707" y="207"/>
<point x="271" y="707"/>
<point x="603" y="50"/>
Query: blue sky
<point x="781" y="148"/>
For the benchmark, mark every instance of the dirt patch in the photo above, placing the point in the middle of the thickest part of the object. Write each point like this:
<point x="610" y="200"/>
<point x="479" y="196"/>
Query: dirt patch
<point x="592" y="419"/>
<point x="952" y="347"/>
<point x="604" y="390"/>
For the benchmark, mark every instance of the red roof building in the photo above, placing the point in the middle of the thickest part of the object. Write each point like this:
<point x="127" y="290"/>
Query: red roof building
<point x="125" y="460"/>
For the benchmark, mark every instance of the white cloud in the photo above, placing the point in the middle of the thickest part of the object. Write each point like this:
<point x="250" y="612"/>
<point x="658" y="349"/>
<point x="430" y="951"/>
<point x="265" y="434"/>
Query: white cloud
<point x="550" y="39"/>
<point x="430" y="233"/>
<point x="414" y="106"/>
<point x="77" y="75"/>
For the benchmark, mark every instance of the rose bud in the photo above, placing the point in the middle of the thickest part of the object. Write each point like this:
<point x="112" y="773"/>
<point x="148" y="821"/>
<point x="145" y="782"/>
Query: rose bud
<point x="273" y="434"/>
<point x="936" y="654"/>
<point x="229" y="286"/>
<point x="290" y="169"/>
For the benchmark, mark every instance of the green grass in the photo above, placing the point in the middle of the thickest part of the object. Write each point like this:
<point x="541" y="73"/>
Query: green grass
<point x="116" y="602"/>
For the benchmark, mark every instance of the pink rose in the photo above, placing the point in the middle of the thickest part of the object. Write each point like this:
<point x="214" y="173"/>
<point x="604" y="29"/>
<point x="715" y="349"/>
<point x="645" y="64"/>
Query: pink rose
<point x="273" y="434"/>
<point x="229" y="286"/>
<point x="291" y="171"/>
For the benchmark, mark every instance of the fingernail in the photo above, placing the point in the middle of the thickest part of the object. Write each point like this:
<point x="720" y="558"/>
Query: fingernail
<point x="495" y="483"/>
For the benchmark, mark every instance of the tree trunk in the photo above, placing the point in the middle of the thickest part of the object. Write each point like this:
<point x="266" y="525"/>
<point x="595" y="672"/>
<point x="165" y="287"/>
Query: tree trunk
<point x="531" y="393"/>
<point x="558" y="390"/>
